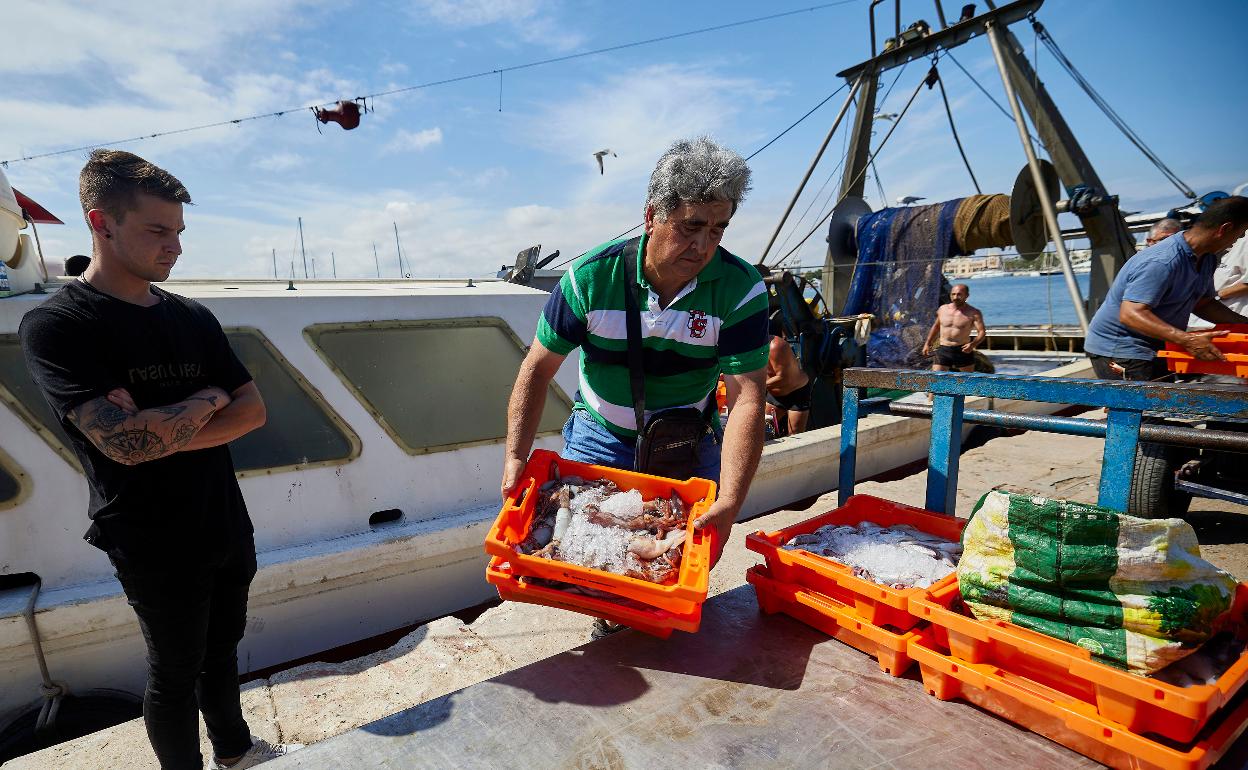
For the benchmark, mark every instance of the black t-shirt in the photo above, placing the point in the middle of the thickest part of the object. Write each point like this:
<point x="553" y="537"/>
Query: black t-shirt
<point x="80" y="344"/>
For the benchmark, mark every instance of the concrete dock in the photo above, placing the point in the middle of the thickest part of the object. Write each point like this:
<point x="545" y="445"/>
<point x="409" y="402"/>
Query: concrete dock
<point x="611" y="703"/>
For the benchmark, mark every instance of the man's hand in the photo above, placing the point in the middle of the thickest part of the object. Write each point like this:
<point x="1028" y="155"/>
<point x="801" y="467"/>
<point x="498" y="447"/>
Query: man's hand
<point x="121" y="398"/>
<point x="968" y="347"/>
<point x="1200" y="345"/>
<point x="720" y="516"/>
<point x="512" y="468"/>
<point x="927" y="348"/>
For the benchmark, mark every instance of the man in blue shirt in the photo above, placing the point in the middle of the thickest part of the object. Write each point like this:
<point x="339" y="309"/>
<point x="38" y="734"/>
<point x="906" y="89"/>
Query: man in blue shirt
<point x="1150" y="300"/>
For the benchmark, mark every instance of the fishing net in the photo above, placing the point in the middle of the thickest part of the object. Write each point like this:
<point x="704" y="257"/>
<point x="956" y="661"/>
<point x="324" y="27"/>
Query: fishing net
<point x="898" y="278"/>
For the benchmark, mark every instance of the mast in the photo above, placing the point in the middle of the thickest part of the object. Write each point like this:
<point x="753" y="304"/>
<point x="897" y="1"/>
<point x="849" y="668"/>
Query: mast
<point x="333" y="264"/>
<point x="397" y="249"/>
<point x="275" y="264"/>
<point x="376" y="261"/>
<point x="302" y="250"/>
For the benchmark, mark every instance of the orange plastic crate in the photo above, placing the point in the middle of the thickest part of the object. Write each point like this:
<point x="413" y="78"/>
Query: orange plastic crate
<point x="878" y="605"/>
<point x="1074" y="725"/>
<point x="1137" y="703"/>
<point x="834" y="618"/>
<point x="652" y="621"/>
<point x="1234" y="345"/>
<point x="1182" y="362"/>
<point x="681" y="597"/>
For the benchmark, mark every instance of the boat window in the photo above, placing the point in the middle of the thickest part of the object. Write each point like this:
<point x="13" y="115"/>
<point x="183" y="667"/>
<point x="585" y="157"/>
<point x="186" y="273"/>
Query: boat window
<point x="13" y="482"/>
<point x="301" y="429"/>
<point x="434" y="385"/>
<point x="21" y="394"/>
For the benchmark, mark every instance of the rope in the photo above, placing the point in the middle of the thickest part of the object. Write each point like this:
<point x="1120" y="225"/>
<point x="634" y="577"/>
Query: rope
<point x="770" y="142"/>
<point x="1113" y="116"/>
<point x="949" y="113"/>
<point x="446" y="81"/>
<point x="52" y="691"/>
<point x="863" y="170"/>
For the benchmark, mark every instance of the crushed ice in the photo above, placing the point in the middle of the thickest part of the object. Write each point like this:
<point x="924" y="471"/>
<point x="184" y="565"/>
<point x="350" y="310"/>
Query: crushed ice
<point x="900" y="556"/>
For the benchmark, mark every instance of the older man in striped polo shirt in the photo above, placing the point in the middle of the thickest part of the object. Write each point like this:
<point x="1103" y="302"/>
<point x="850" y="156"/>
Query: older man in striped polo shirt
<point x="703" y="313"/>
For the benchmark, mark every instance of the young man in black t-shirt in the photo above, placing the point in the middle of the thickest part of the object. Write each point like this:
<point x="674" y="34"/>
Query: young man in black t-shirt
<point x="150" y="393"/>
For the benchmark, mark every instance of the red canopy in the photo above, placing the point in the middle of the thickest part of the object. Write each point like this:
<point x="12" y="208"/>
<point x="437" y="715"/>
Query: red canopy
<point x="38" y="214"/>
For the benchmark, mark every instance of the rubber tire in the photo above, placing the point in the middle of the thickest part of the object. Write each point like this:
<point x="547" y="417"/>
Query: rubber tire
<point x="1153" y="495"/>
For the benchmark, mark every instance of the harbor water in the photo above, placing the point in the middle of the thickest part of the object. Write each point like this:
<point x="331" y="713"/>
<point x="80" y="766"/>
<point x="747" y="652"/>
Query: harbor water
<point x="1024" y="299"/>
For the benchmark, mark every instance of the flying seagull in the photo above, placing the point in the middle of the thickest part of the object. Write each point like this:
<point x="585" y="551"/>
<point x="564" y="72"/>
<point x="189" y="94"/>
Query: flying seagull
<point x="906" y="201"/>
<point x="598" y="156"/>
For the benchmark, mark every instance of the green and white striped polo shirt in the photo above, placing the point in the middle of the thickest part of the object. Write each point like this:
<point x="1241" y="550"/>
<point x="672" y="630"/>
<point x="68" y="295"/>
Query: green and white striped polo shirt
<point x="717" y="323"/>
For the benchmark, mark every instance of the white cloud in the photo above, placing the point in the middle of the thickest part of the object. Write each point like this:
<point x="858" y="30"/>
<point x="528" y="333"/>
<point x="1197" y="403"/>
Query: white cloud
<point x="638" y="114"/>
<point x="413" y="141"/>
<point x="475" y="13"/>
<point x="533" y="20"/>
<point x="281" y="161"/>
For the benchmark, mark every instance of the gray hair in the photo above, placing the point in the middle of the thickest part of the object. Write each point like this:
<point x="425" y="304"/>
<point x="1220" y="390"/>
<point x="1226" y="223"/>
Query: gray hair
<point x="697" y="171"/>
<point x="1164" y="226"/>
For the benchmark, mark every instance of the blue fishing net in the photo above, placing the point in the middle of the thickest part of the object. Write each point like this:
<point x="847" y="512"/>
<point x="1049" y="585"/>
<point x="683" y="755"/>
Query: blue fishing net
<point x="898" y="279"/>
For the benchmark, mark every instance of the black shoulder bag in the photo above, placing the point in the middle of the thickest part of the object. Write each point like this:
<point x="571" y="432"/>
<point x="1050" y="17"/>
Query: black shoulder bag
<point x="668" y="444"/>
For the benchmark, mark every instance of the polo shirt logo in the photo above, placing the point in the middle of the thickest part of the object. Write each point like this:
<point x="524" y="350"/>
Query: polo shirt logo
<point x="697" y="324"/>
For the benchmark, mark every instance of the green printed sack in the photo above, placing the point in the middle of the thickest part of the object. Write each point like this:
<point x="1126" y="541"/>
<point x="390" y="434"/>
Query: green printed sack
<point x="1133" y="591"/>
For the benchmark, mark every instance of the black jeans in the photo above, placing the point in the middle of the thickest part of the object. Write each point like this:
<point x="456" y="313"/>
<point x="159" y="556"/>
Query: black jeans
<point x="1138" y="369"/>
<point x="192" y="617"/>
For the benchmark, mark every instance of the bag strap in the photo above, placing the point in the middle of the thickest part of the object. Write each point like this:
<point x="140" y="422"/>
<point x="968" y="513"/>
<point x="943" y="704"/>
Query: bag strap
<point x="636" y="362"/>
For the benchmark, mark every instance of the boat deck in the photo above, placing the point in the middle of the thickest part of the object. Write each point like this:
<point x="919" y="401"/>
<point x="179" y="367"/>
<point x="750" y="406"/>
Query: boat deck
<point x="727" y="695"/>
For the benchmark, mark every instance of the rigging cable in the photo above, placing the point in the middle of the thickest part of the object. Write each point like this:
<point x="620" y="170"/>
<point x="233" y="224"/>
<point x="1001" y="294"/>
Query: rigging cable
<point x="769" y="143"/>
<point x="949" y="112"/>
<point x="890" y="87"/>
<point x="991" y="98"/>
<point x="863" y="170"/>
<point x="1113" y="116"/>
<point x="459" y="79"/>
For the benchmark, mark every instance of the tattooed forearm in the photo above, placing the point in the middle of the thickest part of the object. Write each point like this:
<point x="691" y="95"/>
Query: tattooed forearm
<point x="131" y="447"/>
<point x="132" y="438"/>
<point x="172" y="411"/>
<point x="106" y="416"/>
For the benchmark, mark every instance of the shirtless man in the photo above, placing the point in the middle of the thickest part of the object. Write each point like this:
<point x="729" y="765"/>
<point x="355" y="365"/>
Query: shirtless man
<point x="788" y="387"/>
<point x="953" y="328"/>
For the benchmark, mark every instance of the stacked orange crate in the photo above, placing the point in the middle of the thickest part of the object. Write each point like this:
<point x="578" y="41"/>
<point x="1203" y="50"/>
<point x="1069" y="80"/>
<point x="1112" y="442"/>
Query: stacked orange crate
<point x="651" y="607"/>
<point x="827" y="595"/>
<point x="1055" y="688"/>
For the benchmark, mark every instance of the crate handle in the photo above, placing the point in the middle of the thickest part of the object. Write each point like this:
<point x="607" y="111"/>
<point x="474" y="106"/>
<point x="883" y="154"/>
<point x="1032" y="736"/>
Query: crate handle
<point x="821" y="603"/>
<point x="523" y="491"/>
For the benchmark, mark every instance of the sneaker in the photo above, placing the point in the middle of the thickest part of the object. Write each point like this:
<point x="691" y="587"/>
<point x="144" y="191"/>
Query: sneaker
<point x="260" y="751"/>
<point x="604" y="628"/>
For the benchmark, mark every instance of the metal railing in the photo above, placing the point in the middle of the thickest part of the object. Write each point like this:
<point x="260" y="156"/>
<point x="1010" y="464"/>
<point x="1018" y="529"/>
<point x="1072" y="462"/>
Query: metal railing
<point x="1125" y="401"/>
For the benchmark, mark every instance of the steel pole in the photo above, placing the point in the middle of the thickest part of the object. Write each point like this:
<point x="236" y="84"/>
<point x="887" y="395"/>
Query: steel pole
<point x="818" y="156"/>
<point x="1037" y="178"/>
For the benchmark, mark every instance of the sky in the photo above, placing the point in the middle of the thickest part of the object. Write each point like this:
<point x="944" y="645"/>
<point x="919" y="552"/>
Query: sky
<point x="472" y="172"/>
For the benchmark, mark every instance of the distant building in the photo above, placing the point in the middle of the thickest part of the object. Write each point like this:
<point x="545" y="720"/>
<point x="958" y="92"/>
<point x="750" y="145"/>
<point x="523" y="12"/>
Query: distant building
<point x="966" y="266"/>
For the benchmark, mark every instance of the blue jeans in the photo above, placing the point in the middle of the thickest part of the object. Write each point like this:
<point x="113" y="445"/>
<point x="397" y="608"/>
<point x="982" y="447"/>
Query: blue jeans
<point x="587" y="441"/>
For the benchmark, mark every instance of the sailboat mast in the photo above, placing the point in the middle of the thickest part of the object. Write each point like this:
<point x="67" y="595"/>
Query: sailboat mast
<point x="302" y="250"/>
<point x="274" y="264"/>
<point x="333" y="264"/>
<point x="376" y="260"/>
<point x="397" y="249"/>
